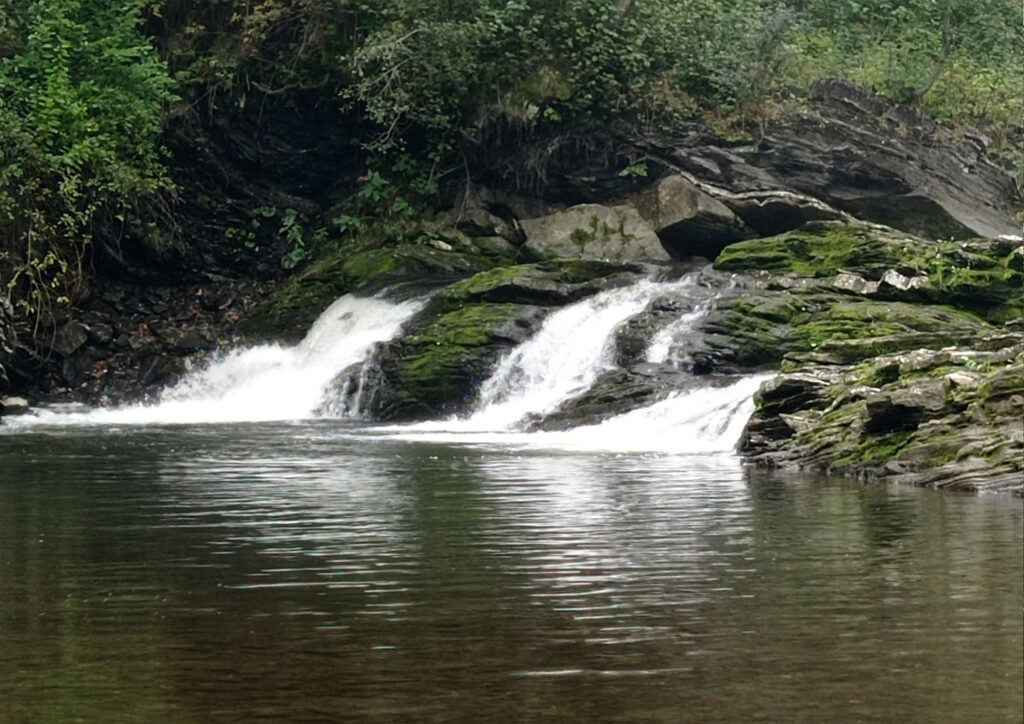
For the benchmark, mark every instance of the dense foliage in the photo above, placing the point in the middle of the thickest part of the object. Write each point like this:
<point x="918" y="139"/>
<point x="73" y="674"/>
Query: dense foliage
<point x="88" y="86"/>
<point x="81" y="93"/>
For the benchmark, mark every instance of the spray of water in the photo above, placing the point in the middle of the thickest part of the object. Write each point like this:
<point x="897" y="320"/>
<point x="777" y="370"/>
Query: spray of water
<point x="573" y="347"/>
<point x="268" y="382"/>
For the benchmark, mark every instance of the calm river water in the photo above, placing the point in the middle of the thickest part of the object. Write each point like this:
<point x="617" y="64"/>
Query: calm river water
<point x="304" y="572"/>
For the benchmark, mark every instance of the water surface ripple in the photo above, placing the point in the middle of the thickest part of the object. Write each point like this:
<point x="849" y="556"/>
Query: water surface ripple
<point x="310" y="572"/>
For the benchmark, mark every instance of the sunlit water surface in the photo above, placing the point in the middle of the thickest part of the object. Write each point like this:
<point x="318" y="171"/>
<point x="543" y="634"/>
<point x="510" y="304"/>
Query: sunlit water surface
<point x="313" y="572"/>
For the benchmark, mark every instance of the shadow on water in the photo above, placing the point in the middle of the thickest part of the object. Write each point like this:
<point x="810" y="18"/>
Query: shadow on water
<point x="292" y="572"/>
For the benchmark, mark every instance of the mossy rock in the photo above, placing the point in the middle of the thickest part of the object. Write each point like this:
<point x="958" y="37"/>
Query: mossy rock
<point x="814" y="325"/>
<point x="437" y="368"/>
<point x="547" y="283"/>
<point x="289" y="311"/>
<point x="948" y="418"/>
<point x="978" y="275"/>
<point x="817" y="250"/>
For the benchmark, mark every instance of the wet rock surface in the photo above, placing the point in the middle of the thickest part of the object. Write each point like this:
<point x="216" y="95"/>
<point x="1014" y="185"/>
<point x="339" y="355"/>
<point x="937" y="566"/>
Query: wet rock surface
<point x="8" y="341"/>
<point x="913" y="383"/>
<point x="126" y="341"/>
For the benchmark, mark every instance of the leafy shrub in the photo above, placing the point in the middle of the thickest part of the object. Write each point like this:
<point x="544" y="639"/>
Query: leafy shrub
<point x="81" y="93"/>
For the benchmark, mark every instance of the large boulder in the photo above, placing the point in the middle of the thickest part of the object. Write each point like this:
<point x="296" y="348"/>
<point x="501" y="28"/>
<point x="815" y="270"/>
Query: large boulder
<point x="592" y="231"/>
<point x="689" y="221"/>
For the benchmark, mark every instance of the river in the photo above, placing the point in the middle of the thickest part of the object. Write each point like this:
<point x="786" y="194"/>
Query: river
<point x="319" y="572"/>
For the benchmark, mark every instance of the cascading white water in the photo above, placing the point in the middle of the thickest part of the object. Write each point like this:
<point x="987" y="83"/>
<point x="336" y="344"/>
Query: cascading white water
<point x="659" y="349"/>
<point x="573" y="347"/>
<point x="268" y="382"/>
<point x="708" y="420"/>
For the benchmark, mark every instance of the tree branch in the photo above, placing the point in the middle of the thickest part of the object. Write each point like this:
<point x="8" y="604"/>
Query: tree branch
<point x="940" y="65"/>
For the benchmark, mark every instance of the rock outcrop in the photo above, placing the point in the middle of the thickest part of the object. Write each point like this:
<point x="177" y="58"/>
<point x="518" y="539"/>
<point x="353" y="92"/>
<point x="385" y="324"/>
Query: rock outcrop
<point x="850" y="152"/>
<point x="902" y="359"/>
<point x="947" y="418"/>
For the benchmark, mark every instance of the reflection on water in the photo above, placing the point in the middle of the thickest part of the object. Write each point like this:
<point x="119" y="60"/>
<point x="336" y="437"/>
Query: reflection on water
<point x="299" y="573"/>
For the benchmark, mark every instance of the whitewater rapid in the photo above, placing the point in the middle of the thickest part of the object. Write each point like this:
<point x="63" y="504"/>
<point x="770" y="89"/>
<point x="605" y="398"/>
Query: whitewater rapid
<point x="325" y="375"/>
<point x="267" y="382"/>
<point x="573" y="347"/>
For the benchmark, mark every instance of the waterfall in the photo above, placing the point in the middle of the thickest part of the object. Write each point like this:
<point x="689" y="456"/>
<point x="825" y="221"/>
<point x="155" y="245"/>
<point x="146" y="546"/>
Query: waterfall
<point x="563" y="359"/>
<point x="327" y="375"/>
<point x="268" y="382"/>
<point x="572" y="348"/>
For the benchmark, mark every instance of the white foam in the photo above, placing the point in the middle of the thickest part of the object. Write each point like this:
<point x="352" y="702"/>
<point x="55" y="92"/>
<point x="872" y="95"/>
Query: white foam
<point x="707" y="420"/>
<point x="267" y="382"/>
<point x="573" y="347"/>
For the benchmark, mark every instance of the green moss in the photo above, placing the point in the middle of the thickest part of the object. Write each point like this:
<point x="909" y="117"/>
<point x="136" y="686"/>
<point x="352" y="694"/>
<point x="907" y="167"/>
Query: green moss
<point x="469" y="326"/>
<point x="996" y="293"/>
<point x="818" y="250"/>
<point x="880" y="448"/>
<point x="977" y="275"/>
<point x="826" y="327"/>
<point x="441" y="362"/>
<point x="543" y="283"/>
<point x="289" y="310"/>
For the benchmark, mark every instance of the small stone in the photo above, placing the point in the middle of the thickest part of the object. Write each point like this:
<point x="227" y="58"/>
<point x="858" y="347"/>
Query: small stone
<point x="213" y="301"/>
<point x="963" y="380"/>
<point x="191" y="341"/>
<point x="440" y="245"/>
<point x="850" y="282"/>
<point x="892" y="280"/>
